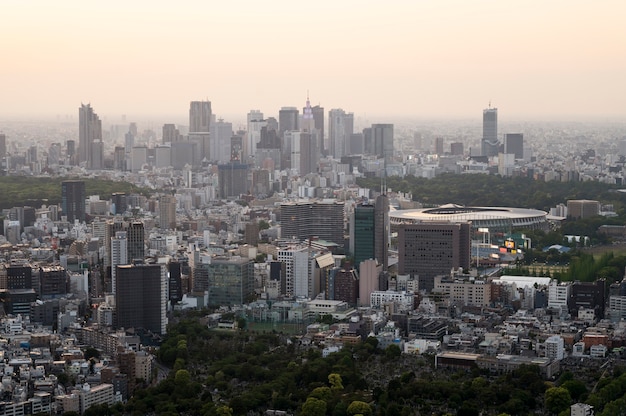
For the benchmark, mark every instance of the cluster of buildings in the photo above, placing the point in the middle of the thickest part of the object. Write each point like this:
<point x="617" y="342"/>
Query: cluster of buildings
<point x="268" y="222"/>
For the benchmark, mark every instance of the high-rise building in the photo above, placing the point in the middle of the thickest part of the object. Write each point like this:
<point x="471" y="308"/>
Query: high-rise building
<point x="456" y="149"/>
<point x="514" y="144"/>
<point x="231" y="281"/>
<point x="167" y="212"/>
<point x="304" y="220"/>
<point x="73" y="200"/>
<point x="430" y="249"/>
<point x="340" y="128"/>
<point x="233" y="180"/>
<point x="3" y="146"/>
<point x="382" y="135"/>
<point x="141" y="297"/>
<point x="175" y="284"/>
<point x="318" y="122"/>
<point x="89" y="132"/>
<point x="369" y="232"/>
<point x="489" y="143"/>
<point x="119" y="255"/>
<point x="70" y="151"/>
<point x="170" y="134"/>
<point x="200" y="117"/>
<point x="439" y="146"/>
<point x="288" y="120"/>
<point x="221" y="133"/>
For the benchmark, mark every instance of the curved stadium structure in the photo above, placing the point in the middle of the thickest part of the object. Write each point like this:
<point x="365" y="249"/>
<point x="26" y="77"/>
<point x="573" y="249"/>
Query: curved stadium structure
<point x="496" y="219"/>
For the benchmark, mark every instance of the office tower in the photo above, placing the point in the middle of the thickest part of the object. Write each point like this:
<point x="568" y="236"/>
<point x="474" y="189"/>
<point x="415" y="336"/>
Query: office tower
<point x="346" y="285"/>
<point x="170" y="134"/>
<point x="268" y="150"/>
<point x="89" y="132"/>
<point x="73" y="200"/>
<point x="141" y="297"/>
<point x="304" y="220"/>
<point x="456" y="149"/>
<point x="260" y="182"/>
<point x="231" y="281"/>
<point x="119" y="158"/>
<point x="318" y="122"/>
<point x="119" y="255"/>
<point x="97" y="156"/>
<point x="3" y="146"/>
<point x="53" y="281"/>
<point x="368" y="141"/>
<point x="288" y="120"/>
<point x="17" y="276"/>
<point x="175" y="284"/>
<point x="255" y="123"/>
<point x="369" y="232"/>
<point x="430" y="249"/>
<point x="135" y="239"/>
<point x="70" y="152"/>
<point x="296" y="270"/>
<point x="236" y="149"/>
<point x="340" y="127"/>
<point x="439" y="146"/>
<point x="582" y="208"/>
<point x="118" y="201"/>
<point x="167" y="212"/>
<point x="185" y="153"/>
<point x="356" y="144"/>
<point x="514" y="144"/>
<point x="200" y="117"/>
<point x="382" y="136"/>
<point x="233" y="180"/>
<point x="489" y="142"/>
<point x="221" y="133"/>
<point x="304" y="151"/>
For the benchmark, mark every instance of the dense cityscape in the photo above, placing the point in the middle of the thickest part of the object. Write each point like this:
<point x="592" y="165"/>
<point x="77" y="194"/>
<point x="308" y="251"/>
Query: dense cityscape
<point x="302" y="224"/>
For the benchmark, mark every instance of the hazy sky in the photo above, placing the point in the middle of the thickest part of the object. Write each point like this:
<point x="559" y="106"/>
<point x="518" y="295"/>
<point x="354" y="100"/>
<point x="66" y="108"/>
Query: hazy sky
<point x="532" y="59"/>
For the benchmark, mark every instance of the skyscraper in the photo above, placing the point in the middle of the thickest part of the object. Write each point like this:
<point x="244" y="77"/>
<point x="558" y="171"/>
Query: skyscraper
<point x="489" y="142"/>
<point x="73" y="200"/>
<point x="119" y="255"/>
<point x="340" y="128"/>
<point x="200" y="117"/>
<point x="89" y="132"/>
<point x="382" y="135"/>
<point x="369" y="232"/>
<point x="167" y="212"/>
<point x="141" y="297"/>
<point x="514" y="144"/>
<point x="288" y="120"/>
<point x="3" y="146"/>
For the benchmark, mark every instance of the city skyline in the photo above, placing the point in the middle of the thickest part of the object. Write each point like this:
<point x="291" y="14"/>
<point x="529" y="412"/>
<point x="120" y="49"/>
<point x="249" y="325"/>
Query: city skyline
<point x="404" y="59"/>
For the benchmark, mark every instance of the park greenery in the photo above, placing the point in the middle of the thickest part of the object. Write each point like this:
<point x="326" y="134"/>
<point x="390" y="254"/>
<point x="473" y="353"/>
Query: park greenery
<point x="223" y="372"/>
<point x="36" y="191"/>
<point x="494" y="190"/>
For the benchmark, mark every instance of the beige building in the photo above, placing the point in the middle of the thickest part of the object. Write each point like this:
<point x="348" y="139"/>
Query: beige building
<point x="464" y="292"/>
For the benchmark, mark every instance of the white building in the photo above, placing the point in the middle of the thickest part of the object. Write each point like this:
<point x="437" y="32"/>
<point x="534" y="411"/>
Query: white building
<point x="581" y="409"/>
<point x="119" y="254"/>
<point x="555" y="347"/>
<point x="558" y="295"/>
<point x="380" y="298"/>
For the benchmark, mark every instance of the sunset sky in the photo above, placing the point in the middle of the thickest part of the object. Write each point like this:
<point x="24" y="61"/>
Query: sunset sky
<point x="439" y="59"/>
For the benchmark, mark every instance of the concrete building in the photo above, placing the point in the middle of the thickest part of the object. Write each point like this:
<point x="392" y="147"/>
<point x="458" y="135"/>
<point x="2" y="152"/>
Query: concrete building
<point x="73" y="200"/>
<point x="141" y="297"/>
<point x="582" y="208"/>
<point x="430" y="249"/>
<point x="167" y="212"/>
<point x="321" y="219"/>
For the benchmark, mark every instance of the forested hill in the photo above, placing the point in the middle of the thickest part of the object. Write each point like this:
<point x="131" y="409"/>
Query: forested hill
<point x="495" y="190"/>
<point x="35" y="191"/>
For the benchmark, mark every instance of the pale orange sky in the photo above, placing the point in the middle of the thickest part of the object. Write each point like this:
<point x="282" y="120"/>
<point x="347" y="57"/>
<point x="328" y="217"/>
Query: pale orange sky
<point x="532" y="59"/>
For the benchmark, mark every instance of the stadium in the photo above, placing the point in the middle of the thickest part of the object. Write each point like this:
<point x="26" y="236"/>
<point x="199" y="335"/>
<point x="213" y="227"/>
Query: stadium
<point x="498" y="220"/>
